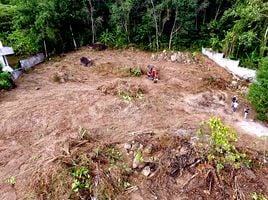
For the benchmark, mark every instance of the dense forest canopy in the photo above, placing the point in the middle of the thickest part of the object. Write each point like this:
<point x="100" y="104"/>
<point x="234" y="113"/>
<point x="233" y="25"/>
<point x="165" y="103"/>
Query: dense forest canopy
<point x="238" y="28"/>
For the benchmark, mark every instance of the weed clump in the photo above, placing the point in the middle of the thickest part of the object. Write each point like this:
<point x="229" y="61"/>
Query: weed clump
<point x="221" y="151"/>
<point x="95" y="171"/>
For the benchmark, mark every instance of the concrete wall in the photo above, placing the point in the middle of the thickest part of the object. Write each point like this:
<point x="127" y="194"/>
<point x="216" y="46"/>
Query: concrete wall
<point x="231" y="65"/>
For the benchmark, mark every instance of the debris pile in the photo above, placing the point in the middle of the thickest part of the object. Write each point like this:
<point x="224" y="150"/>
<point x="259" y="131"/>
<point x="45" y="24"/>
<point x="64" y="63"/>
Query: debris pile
<point x="179" y="57"/>
<point x="160" y="166"/>
<point x="122" y="87"/>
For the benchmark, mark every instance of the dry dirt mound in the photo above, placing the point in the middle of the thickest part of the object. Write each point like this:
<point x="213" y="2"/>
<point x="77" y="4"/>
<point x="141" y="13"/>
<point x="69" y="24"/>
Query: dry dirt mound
<point x="123" y="87"/>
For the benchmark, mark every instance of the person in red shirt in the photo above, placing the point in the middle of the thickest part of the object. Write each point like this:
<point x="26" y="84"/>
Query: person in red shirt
<point x="152" y="73"/>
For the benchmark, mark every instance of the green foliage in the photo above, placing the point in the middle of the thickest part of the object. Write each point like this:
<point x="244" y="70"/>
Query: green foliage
<point x="258" y="95"/>
<point x="11" y="180"/>
<point x="136" y="72"/>
<point x="221" y="151"/>
<point x="81" y="178"/>
<point x="237" y="27"/>
<point x="113" y="155"/>
<point x="139" y="157"/>
<point x="258" y="196"/>
<point x="125" y="96"/>
<point x="246" y="29"/>
<point x="5" y="81"/>
<point x="107" y="38"/>
<point x="23" y="42"/>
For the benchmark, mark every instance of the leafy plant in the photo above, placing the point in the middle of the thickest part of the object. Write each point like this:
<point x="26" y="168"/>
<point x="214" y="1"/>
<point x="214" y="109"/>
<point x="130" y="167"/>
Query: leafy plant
<point x="82" y="178"/>
<point x="221" y="151"/>
<point x="113" y="155"/>
<point x="5" y="81"/>
<point x="137" y="72"/>
<point x="257" y="196"/>
<point x="11" y="180"/>
<point x="125" y="96"/>
<point x="139" y="157"/>
<point x="107" y="37"/>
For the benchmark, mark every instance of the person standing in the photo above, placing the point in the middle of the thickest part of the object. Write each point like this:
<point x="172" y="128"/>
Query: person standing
<point x="234" y="106"/>
<point x="246" y="111"/>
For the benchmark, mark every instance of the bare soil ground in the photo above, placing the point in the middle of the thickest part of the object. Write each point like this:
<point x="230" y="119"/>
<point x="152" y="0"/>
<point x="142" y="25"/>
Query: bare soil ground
<point x="54" y="100"/>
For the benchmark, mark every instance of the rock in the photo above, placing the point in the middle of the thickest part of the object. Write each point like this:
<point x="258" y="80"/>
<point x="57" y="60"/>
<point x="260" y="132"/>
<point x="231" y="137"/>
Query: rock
<point x="173" y="57"/>
<point x="62" y="80"/>
<point x="135" y="163"/>
<point x="38" y="88"/>
<point x="134" y="146"/>
<point x="234" y="84"/>
<point x="127" y="146"/>
<point x="86" y="61"/>
<point x="146" y="171"/>
<point x="183" y="151"/>
<point x="154" y="57"/>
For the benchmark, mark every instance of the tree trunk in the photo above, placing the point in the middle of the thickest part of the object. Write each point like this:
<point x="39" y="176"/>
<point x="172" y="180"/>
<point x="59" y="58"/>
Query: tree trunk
<point x="92" y="21"/>
<point x="204" y="17"/>
<point x="264" y="43"/>
<point x="74" y="42"/>
<point x="172" y="31"/>
<point x="218" y="10"/>
<point x="45" y="48"/>
<point x="156" y="26"/>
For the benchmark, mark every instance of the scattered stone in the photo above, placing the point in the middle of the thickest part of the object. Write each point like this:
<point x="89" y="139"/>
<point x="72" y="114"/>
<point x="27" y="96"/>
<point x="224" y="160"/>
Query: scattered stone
<point x="127" y="146"/>
<point x="135" y="163"/>
<point x="173" y="58"/>
<point x="183" y="151"/>
<point x="146" y="171"/>
<point x="86" y="61"/>
<point x="234" y="84"/>
<point x="134" y="146"/>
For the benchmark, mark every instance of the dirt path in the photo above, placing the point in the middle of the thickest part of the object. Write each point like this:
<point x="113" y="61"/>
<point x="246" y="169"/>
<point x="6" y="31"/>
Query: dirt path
<point x="58" y="97"/>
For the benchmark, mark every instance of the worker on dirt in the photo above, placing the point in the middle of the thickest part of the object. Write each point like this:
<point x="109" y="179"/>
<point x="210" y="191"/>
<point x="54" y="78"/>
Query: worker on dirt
<point x="234" y="106"/>
<point x="152" y="73"/>
<point x="246" y="111"/>
<point x="234" y="99"/>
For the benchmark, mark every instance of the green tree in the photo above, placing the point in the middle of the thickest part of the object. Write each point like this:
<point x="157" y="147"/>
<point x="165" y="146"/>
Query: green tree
<point x="258" y="91"/>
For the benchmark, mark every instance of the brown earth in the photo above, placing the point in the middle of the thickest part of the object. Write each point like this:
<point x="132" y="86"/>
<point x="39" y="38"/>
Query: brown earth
<point x="58" y="97"/>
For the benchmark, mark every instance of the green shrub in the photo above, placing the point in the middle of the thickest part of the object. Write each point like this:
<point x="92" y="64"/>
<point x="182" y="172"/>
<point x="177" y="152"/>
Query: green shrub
<point x="221" y="151"/>
<point x="137" y="72"/>
<point x="5" y="81"/>
<point x="81" y="178"/>
<point x="258" y="94"/>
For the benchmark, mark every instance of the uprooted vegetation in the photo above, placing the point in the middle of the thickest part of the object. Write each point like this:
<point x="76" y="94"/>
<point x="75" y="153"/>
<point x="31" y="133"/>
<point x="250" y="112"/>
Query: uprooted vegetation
<point x="162" y="166"/>
<point x="113" y="69"/>
<point x="124" y="89"/>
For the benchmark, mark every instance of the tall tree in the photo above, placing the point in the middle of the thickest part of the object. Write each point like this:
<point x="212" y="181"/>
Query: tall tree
<point x="185" y="13"/>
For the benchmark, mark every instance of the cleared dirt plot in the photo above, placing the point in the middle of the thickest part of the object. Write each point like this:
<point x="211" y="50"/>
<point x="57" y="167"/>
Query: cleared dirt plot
<point x="105" y="131"/>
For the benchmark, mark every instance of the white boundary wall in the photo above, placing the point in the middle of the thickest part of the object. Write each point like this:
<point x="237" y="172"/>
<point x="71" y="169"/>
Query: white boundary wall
<point x="231" y="65"/>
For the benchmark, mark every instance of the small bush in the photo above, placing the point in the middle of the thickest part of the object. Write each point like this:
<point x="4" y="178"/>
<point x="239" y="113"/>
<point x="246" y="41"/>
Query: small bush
<point x="5" y="81"/>
<point x="137" y="72"/>
<point x="221" y="151"/>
